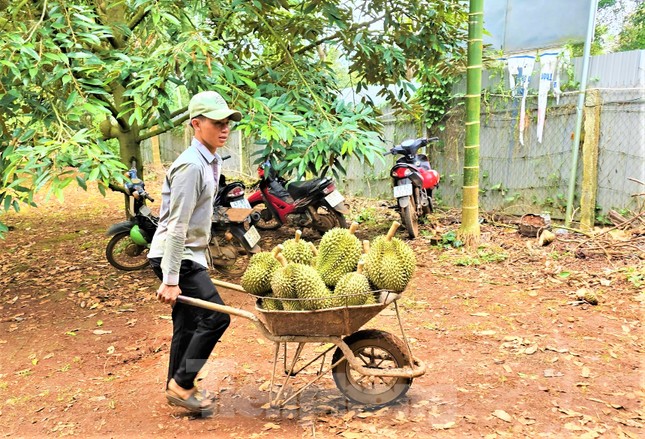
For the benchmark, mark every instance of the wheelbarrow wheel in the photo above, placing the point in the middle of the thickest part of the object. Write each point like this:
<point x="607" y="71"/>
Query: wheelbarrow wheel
<point x="374" y="349"/>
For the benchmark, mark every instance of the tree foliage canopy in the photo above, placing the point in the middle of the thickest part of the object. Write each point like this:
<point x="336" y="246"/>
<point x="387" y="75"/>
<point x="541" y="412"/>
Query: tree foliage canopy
<point x="632" y="36"/>
<point x="84" y="82"/>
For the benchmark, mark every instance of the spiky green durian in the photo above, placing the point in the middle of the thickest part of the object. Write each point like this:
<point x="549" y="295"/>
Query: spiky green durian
<point x="390" y="262"/>
<point x="271" y="304"/>
<point x="282" y="285"/>
<point x="314" y="252"/>
<point x="353" y="288"/>
<point x="297" y="250"/>
<point x="338" y="253"/>
<point x="257" y="276"/>
<point x="310" y="288"/>
<point x="371" y="300"/>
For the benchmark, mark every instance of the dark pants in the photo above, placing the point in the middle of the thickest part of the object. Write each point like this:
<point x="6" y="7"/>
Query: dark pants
<point x="195" y="330"/>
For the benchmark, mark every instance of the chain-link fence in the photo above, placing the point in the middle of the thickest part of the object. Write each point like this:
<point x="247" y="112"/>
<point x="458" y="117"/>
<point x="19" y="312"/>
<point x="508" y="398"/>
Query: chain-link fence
<point x="523" y="176"/>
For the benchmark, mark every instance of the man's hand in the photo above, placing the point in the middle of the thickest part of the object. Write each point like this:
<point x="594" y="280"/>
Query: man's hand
<point x="168" y="293"/>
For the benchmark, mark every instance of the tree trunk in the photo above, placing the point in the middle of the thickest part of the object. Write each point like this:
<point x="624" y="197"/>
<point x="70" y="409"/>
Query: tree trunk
<point x="130" y="150"/>
<point x="469" y="232"/>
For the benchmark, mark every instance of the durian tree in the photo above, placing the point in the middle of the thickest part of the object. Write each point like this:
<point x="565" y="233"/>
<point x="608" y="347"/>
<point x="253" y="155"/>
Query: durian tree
<point x="84" y="82"/>
<point x="469" y="231"/>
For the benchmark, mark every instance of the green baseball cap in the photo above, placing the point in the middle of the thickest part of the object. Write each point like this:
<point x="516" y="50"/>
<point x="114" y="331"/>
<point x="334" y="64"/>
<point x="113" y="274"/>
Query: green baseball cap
<point x="212" y="105"/>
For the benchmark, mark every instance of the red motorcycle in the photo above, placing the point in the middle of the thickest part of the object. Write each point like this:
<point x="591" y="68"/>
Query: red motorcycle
<point x="413" y="180"/>
<point x="316" y="203"/>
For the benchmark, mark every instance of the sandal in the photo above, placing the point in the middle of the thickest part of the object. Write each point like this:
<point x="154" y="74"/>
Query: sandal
<point x="207" y="395"/>
<point x="196" y="403"/>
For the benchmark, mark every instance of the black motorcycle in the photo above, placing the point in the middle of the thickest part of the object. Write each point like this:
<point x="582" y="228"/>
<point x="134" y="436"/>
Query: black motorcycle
<point x="232" y="231"/>
<point x="128" y="248"/>
<point x="413" y="180"/>
<point x="233" y="227"/>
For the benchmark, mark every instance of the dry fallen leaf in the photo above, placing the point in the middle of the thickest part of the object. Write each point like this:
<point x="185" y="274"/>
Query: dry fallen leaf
<point x="365" y="415"/>
<point x="445" y="426"/>
<point x="501" y="414"/>
<point x="349" y="415"/>
<point x="585" y="373"/>
<point x="270" y="426"/>
<point x="531" y="350"/>
<point x="486" y="332"/>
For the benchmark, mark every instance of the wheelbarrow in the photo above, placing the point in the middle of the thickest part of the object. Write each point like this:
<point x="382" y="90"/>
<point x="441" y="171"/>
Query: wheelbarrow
<point x="369" y="366"/>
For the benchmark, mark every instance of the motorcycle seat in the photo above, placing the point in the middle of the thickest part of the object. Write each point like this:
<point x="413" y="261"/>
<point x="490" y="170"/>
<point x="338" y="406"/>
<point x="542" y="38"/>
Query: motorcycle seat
<point x="300" y="189"/>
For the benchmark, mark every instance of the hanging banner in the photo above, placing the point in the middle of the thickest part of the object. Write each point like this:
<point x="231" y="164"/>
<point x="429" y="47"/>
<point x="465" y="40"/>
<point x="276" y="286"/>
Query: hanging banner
<point x="563" y="59"/>
<point x="548" y="67"/>
<point x="520" y="68"/>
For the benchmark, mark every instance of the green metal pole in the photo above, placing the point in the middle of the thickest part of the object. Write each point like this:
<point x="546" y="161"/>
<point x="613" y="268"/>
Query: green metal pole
<point x="579" y="110"/>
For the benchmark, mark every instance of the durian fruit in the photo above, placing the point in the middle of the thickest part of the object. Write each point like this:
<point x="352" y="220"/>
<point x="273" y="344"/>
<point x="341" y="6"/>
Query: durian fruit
<point x="390" y="262"/>
<point x="257" y="276"/>
<point x="310" y="288"/>
<point x="282" y="286"/>
<point x="314" y="251"/>
<point x="271" y="304"/>
<point x="338" y="253"/>
<point x="353" y="288"/>
<point x="371" y="300"/>
<point x="297" y="250"/>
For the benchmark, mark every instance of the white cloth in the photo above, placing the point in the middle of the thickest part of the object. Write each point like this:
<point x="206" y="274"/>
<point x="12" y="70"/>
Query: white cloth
<point x="548" y="66"/>
<point x="563" y="60"/>
<point x="520" y="68"/>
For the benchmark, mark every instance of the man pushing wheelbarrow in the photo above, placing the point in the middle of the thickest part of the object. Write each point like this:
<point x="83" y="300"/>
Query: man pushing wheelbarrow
<point x="369" y="366"/>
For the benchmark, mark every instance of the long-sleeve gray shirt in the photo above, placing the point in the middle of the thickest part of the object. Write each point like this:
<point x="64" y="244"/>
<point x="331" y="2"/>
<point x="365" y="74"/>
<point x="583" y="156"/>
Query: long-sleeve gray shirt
<point x="186" y="210"/>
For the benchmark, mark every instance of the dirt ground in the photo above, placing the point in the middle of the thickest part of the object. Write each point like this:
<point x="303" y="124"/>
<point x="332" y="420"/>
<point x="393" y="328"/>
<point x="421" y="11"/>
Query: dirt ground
<point x="511" y="350"/>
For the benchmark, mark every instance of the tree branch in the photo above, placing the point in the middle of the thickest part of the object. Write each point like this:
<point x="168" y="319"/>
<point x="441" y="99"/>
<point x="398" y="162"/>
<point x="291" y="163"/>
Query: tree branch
<point x="138" y="18"/>
<point x="172" y="116"/>
<point x="100" y="13"/>
<point x="336" y="35"/>
<point x="158" y="131"/>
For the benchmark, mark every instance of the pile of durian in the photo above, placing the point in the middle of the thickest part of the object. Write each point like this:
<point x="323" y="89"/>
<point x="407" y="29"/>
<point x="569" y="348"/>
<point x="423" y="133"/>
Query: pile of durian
<point x="342" y="271"/>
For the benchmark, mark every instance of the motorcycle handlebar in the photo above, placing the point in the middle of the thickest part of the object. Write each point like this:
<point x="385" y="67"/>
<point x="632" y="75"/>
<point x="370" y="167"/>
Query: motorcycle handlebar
<point x="123" y="190"/>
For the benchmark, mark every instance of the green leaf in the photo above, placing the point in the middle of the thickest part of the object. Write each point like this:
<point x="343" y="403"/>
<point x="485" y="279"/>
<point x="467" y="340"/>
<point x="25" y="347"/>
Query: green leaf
<point x="81" y="182"/>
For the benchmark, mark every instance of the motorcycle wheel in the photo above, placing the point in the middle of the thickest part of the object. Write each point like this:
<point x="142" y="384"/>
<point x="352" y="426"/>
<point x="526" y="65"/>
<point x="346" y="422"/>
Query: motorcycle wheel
<point x="374" y="349"/>
<point x="326" y="219"/>
<point x="267" y="220"/>
<point x="410" y="218"/>
<point x="124" y="254"/>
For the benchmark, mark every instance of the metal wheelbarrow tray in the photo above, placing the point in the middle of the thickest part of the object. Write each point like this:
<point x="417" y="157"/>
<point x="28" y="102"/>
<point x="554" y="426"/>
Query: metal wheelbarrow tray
<point x="369" y="366"/>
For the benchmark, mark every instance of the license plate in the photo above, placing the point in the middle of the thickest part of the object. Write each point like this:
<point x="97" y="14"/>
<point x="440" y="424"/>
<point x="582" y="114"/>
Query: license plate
<point x="252" y="236"/>
<point x="145" y="211"/>
<point x="405" y="190"/>
<point x="335" y="198"/>
<point x="241" y="204"/>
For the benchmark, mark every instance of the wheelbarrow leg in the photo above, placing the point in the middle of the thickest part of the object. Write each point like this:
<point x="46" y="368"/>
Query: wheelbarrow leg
<point x="275" y="365"/>
<point x="296" y="356"/>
